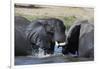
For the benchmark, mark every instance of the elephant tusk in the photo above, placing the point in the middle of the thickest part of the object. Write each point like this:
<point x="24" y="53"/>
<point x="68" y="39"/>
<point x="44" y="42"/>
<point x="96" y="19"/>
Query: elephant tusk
<point x="60" y="44"/>
<point x="56" y="43"/>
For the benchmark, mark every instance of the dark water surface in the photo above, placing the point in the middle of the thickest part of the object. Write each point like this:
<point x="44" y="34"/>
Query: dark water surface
<point x="29" y="60"/>
<point x="57" y="57"/>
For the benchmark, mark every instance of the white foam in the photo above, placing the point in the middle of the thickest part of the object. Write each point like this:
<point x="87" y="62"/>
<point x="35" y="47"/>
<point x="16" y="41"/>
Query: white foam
<point x="41" y="54"/>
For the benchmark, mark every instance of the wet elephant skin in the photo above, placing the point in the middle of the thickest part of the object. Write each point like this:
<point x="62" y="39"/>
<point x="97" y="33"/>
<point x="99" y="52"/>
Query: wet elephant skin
<point x="80" y="40"/>
<point x="40" y="33"/>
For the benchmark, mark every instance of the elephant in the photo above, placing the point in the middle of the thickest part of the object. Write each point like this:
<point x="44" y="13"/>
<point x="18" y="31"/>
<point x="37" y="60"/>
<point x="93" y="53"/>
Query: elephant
<point x="22" y="47"/>
<point x="80" y="40"/>
<point x="38" y="35"/>
<point x="42" y="34"/>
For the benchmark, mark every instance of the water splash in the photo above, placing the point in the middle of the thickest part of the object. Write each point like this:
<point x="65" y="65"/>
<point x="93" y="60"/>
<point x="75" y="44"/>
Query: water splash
<point x="57" y="49"/>
<point x="39" y="53"/>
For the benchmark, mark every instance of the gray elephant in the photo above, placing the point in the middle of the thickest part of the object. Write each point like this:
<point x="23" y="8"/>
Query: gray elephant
<point x="22" y="47"/>
<point x="43" y="33"/>
<point x="39" y="34"/>
<point x="80" y="39"/>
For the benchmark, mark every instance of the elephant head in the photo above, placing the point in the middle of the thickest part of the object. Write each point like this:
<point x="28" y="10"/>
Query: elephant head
<point x="43" y="33"/>
<point x="55" y="29"/>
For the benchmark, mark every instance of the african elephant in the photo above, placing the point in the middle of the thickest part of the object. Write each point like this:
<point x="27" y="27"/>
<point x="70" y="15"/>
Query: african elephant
<point x="22" y="47"/>
<point x="43" y="33"/>
<point x="39" y="34"/>
<point x="80" y="39"/>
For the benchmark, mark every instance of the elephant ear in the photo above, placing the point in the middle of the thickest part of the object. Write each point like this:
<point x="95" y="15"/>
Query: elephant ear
<point x="38" y="36"/>
<point x="31" y="28"/>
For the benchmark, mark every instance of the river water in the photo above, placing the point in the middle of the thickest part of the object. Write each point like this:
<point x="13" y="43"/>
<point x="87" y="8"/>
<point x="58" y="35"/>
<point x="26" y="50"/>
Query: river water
<point x="30" y="60"/>
<point x="57" y="57"/>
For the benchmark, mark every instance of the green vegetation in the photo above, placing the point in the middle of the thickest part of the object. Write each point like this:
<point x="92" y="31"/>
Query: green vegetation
<point x="68" y="21"/>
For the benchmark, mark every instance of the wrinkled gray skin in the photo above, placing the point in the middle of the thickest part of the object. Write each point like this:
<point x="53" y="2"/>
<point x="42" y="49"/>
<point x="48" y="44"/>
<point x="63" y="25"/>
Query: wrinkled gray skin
<point x="22" y="47"/>
<point x="80" y="40"/>
<point x="39" y="34"/>
<point x="86" y="40"/>
<point x="43" y="33"/>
